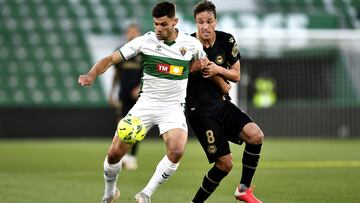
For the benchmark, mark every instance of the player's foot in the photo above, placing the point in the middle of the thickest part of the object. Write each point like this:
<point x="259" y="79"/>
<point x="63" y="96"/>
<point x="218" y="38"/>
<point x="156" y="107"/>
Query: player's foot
<point x="245" y="194"/>
<point x="129" y="162"/>
<point x="142" y="198"/>
<point x="112" y="198"/>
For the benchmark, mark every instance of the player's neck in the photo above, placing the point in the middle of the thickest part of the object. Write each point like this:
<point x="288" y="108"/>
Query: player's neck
<point x="207" y="42"/>
<point x="173" y="36"/>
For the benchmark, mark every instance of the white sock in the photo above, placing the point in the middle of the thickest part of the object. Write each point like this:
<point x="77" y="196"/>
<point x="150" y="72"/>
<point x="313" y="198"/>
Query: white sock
<point x="111" y="173"/>
<point x="164" y="170"/>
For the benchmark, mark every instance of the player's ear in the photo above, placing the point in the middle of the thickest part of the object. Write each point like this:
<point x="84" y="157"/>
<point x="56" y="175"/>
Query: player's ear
<point x="175" y="21"/>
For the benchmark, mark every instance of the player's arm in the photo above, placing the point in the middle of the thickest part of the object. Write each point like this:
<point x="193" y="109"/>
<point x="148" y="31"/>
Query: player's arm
<point x="221" y="83"/>
<point x="232" y="74"/>
<point x="100" y="67"/>
<point x="233" y="57"/>
<point x="218" y="80"/>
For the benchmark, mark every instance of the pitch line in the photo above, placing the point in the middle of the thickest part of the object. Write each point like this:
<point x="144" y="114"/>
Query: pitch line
<point x="311" y="164"/>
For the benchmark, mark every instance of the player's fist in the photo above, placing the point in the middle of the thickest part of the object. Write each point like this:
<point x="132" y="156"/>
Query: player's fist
<point x="204" y="62"/>
<point x="199" y="64"/>
<point x="85" y="80"/>
<point x="210" y="70"/>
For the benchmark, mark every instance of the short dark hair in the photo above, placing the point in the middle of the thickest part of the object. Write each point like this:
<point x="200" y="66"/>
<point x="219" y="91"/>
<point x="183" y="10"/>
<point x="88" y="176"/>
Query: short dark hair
<point x="205" y="6"/>
<point x="162" y="9"/>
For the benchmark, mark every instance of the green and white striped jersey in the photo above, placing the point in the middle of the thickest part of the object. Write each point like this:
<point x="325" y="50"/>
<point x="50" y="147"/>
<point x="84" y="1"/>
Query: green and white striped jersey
<point x="165" y="65"/>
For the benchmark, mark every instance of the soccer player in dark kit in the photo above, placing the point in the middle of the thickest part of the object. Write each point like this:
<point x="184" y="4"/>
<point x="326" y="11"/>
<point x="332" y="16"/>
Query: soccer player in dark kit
<point x="214" y="119"/>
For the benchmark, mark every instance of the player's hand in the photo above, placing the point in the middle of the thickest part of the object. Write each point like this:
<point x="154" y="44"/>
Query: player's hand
<point x="204" y="62"/>
<point x="86" y="80"/>
<point x="210" y="70"/>
<point x="199" y="64"/>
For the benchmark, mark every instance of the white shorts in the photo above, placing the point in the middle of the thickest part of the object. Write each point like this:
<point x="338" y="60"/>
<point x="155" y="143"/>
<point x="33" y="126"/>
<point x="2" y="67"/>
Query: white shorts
<point x="166" y="116"/>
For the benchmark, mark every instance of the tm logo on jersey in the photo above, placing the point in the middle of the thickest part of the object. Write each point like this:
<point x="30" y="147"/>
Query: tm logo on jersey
<point x="170" y="69"/>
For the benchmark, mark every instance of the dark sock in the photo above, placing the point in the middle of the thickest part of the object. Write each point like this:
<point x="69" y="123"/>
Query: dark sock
<point x="211" y="180"/>
<point x="250" y="162"/>
<point x="134" y="149"/>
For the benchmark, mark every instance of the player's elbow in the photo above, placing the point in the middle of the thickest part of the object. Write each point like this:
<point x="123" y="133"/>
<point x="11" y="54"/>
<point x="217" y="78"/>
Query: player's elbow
<point x="235" y="78"/>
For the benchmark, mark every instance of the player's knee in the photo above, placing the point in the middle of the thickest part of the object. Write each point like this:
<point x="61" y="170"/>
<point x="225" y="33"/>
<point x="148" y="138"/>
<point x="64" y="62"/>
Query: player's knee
<point x="175" y="154"/>
<point x="224" y="163"/>
<point x="258" y="137"/>
<point x="252" y="134"/>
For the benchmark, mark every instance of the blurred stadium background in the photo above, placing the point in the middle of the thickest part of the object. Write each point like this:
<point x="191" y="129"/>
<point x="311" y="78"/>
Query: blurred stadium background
<point x="300" y="79"/>
<point x="300" y="65"/>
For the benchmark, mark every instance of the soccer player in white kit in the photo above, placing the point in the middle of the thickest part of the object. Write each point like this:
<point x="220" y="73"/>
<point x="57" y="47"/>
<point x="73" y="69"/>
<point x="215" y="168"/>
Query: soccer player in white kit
<point x="166" y="56"/>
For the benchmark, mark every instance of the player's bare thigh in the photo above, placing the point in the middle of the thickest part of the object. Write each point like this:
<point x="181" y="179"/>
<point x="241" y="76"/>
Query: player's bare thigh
<point x="252" y="134"/>
<point x="117" y="150"/>
<point x="175" y="141"/>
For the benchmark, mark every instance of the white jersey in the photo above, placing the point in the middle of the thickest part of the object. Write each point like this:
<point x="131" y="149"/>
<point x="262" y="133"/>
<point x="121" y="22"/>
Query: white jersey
<point x="166" y="66"/>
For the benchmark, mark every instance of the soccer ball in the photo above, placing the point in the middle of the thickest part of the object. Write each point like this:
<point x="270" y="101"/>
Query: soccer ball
<point x="131" y="130"/>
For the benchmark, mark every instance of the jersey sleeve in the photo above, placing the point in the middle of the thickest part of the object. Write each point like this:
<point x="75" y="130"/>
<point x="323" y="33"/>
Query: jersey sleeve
<point x="232" y="50"/>
<point x="133" y="47"/>
<point x="199" y="51"/>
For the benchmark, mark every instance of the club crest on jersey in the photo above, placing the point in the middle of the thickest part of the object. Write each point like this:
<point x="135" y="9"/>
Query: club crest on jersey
<point x="212" y="149"/>
<point x="234" y="50"/>
<point x="219" y="59"/>
<point x="231" y="40"/>
<point x="183" y="50"/>
<point x="170" y="69"/>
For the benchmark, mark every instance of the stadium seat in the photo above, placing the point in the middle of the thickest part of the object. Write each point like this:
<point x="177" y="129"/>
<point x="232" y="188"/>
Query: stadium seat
<point x="40" y="41"/>
<point x="46" y="39"/>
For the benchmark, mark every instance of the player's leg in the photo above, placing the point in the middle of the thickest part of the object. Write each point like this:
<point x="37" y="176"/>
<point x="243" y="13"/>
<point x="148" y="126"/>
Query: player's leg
<point x="112" y="167"/>
<point x="173" y="128"/>
<point x="252" y="135"/>
<point x="175" y="141"/>
<point x="129" y="161"/>
<point x="211" y="137"/>
<point x="134" y="149"/>
<point x="213" y="178"/>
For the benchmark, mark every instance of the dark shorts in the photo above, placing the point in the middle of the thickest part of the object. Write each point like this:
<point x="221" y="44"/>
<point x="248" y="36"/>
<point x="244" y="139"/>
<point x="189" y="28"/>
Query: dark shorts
<point x="215" y="126"/>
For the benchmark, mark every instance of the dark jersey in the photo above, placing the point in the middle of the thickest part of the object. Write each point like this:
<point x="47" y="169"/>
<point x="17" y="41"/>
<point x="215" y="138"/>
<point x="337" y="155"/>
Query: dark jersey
<point x="224" y="53"/>
<point x="130" y="76"/>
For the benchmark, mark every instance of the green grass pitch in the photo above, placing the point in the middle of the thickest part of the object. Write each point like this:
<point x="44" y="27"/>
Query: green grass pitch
<point x="290" y="171"/>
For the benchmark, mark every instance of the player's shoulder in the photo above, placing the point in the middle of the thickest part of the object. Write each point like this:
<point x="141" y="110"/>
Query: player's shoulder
<point x="225" y="36"/>
<point x="149" y="34"/>
<point x="189" y="38"/>
<point x="185" y="36"/>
